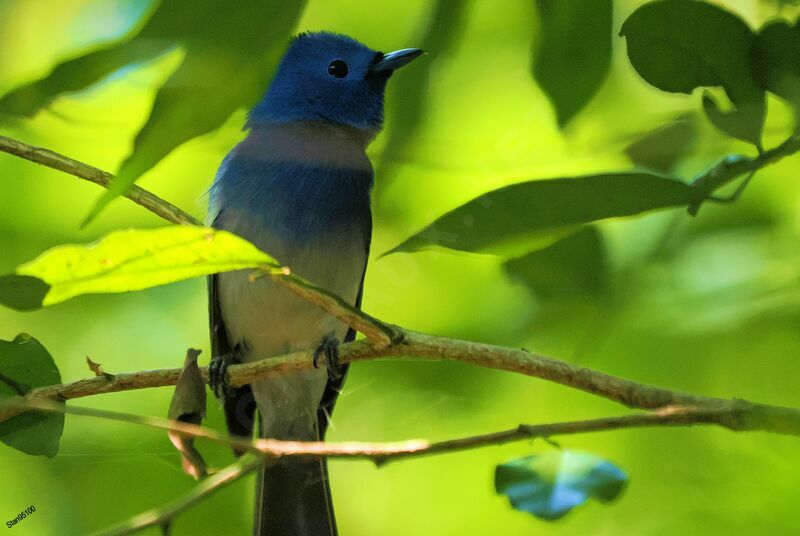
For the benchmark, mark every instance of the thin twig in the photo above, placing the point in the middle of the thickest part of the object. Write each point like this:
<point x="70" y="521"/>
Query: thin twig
<point x="740" y="415"/>
<point x="379" y="453"/>
<point x="164" y="514"/>
<point x="378" y="333"/>
<point x="731" y="168"/>
<point x="382" y="452"/>
<point x="140" y="196"/>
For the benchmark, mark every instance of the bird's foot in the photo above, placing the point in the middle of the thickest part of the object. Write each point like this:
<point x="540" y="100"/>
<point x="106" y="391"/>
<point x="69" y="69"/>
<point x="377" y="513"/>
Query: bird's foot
<point x="218" y="373"/>
<point x="329" y="347"/>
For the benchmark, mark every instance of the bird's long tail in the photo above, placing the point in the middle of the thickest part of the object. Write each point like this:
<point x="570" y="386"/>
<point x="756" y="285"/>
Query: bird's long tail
<point x="294" y="499"/>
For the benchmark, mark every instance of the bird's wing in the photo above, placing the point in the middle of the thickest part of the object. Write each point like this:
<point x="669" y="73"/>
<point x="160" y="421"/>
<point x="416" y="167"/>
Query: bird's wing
<point x="238" y="403"/>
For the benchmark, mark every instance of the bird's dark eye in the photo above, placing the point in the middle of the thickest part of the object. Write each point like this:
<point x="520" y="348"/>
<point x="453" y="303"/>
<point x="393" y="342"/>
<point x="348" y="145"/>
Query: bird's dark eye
<point x="337" y="69"/>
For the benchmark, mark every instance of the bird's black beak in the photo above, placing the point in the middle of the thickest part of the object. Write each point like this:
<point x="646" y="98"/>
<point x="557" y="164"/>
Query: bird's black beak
<point x="394" y="60"/>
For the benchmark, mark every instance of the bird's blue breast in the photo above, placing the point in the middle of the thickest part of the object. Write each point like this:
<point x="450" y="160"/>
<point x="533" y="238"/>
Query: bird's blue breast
<point x="294" y="200"/>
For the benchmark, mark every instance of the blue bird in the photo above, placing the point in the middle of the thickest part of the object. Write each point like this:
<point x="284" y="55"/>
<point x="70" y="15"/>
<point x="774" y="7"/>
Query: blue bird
<point x="298" y="186"/>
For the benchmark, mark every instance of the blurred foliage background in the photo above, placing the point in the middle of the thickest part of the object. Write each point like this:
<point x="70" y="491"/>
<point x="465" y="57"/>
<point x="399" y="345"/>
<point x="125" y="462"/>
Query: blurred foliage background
<point x="708" y="304"/>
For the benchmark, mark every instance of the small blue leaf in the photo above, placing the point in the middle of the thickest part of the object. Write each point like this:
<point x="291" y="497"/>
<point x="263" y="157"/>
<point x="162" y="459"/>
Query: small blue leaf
<point x="550" y="485"/>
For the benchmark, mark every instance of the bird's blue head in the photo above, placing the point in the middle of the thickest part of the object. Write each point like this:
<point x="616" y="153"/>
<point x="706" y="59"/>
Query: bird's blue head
<point x="329" y="77"/>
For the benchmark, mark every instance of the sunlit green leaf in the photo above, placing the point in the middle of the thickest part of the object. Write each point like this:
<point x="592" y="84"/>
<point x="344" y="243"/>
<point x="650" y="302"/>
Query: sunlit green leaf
<point x="131" y="260"/>
<point x="573" y="52"/>
<point x="661" y="149"/>
<point x="550" y="485"/>
<point x="682" y="45"/>
<point x="574" y="267"/>
<point x="24" y="365"/>
<point x="514" y="219"/>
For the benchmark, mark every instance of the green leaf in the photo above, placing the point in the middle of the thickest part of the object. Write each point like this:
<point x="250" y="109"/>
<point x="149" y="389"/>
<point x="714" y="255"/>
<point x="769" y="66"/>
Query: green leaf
<point x="516" y="218"/>
<point x="778" y="59"/>
<point x="24" y="365"/>
<point x="550" y="485"/>
<point x="79" y="73"/>
<point x="729" y="122"/>
<point x="22" y="292"/>
<point x="682" y="45"/>
<point x="573" y="53"/>
<point x="661" y="149"/>
<point x="230" y="57"/>
<point x="574" y="267"/>
<point x="131" y="260"/>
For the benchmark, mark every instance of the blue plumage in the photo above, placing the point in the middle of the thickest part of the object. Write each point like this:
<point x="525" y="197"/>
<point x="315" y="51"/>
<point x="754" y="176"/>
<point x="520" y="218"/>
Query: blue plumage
<point x="298" y="187"/>
<point x="303" y="90"/>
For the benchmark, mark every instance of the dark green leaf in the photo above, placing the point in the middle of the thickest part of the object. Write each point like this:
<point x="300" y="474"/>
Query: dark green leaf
<point x="778" y="59"/>
<point x="22" y="292"/>
<point x="730" y="122"/>
<point x="550" y="485"/>
<point x="573" y="53"/>
<point x="574" y="267"/>
<point x="661" y="149"/>
<point x="24" y="365"/>
<point x="514" y="218"/>
<point x="128" y="260"/>
<point x="682" y="45"/>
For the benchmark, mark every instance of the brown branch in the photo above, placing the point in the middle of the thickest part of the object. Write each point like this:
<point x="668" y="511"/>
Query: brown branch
<point x="163" y="515"/>
<point x="138" y="195"/>
<point x="739" y="415"/>
<point x="378" y="333"/>
<point x="265" y="450"/>
<point x="383" y="452"/>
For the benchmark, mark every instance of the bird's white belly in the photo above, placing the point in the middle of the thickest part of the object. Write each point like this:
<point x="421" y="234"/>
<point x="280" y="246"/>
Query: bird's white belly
<point x="266" y="319"/>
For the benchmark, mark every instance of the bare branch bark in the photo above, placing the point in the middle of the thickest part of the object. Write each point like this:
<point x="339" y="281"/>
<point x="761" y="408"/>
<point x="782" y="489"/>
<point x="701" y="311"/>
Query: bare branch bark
<point x="739" y="415"/>
<point x="383" y="452"/>
<point x="140" y="196"/>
